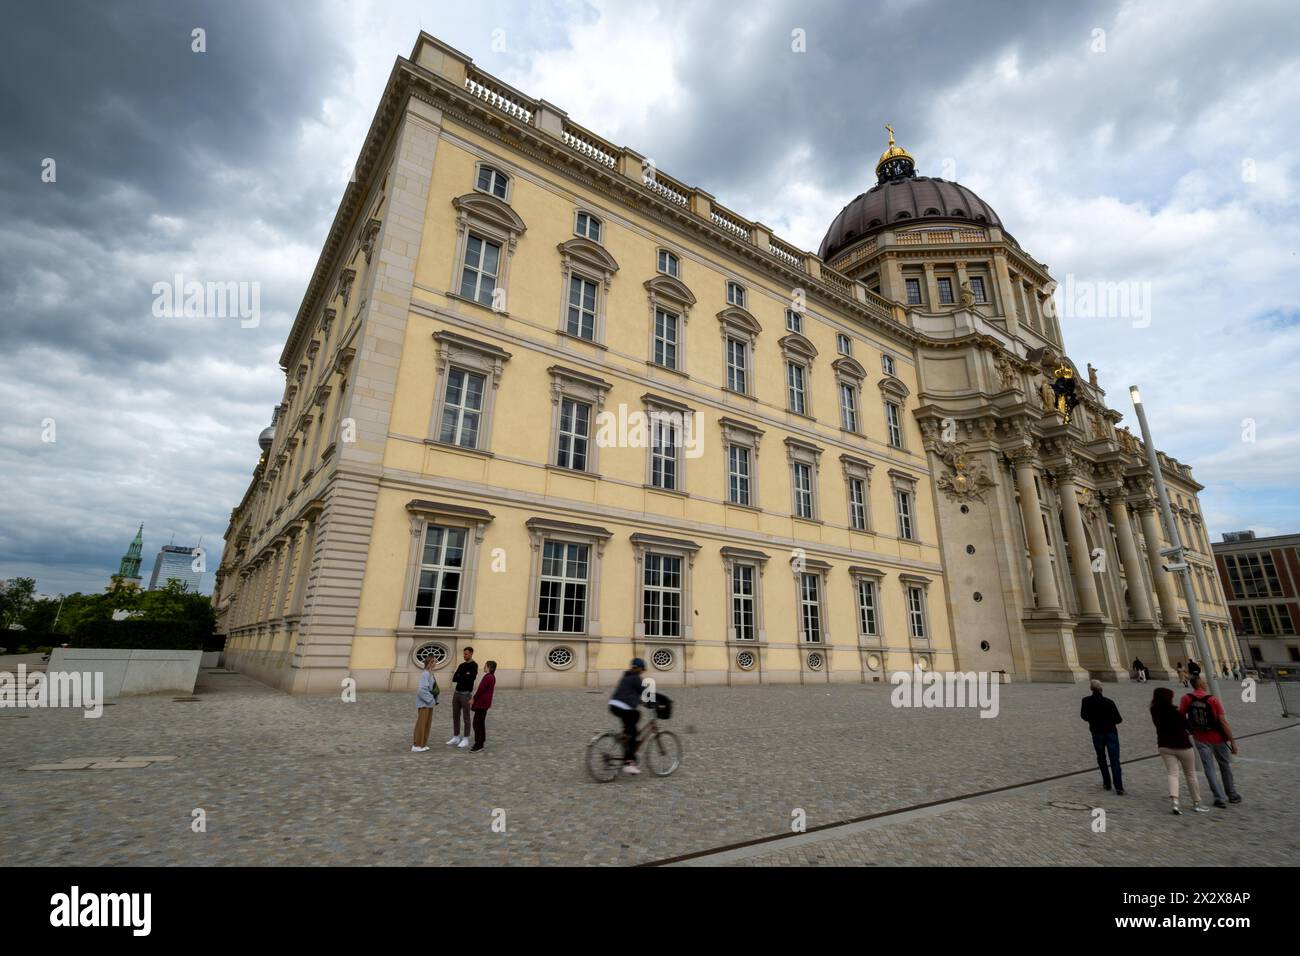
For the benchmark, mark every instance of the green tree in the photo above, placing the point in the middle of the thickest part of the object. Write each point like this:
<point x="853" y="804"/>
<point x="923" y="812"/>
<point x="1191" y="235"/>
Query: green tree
<point x="16" y="598"/>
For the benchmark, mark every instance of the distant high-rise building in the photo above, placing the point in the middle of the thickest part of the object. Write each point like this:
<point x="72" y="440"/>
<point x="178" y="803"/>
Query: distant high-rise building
<point x="128" y="571"/>
<point x="175" y="562"/>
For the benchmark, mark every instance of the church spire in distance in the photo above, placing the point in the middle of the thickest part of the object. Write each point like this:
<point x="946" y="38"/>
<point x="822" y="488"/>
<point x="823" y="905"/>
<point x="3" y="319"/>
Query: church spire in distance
<point x="895" y="162"/>
<point x="129" y="569"/>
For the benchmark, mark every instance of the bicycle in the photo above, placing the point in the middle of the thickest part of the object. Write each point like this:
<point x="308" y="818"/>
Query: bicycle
<point x="663" y="750"/>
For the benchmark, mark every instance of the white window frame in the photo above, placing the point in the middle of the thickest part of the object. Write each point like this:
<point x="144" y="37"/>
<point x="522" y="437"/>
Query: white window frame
<point x="663" y="413"/>
<point x="904" y="490"/>
<point x="491" y="219"/>
<point x="857" y="469"/>
<point x="738" y="325"/>
<point x="422" y="514"/>
<point x="542" y="530"/>
<point x="918" y="610"/>
<point x="496" y="176"/>
<point x="581" y="283"/>
<point x="743" y="435"/>
<point x="581" y="258"/>
<point x="756" y="561"/>
<point x="671" y="296"/>
<point x="456" y="351"/>
<point x="737" y="294"/>
<point x="646" y="549"/>
<point x="592" y="221"/>
<point x="796" y="388"/>
<point x="441" y="569"/>
<point x="794" y="321"/>
<point x="798" y="351"/>
<point x="668" y="263"/>
<point x="870" y="632"/>
<point x="662" y="341"/>
<point x="800" y="453"/>
<point x="570" y="384"/>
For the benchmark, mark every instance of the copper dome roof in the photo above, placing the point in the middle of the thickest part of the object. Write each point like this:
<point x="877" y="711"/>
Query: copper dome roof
<point x="899" y="201"/>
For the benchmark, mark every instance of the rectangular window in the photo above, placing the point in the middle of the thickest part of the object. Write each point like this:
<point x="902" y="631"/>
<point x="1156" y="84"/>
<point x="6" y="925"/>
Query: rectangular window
<point x="810" y="607"/>
<point x="665" y="339"/>
<point x="894" y="424"/>
<point x="462" y="408"/>
<point x="858" y="504"/>
<point x="562" y="606"/>
<point x="737" y="366"/>
<point x="742" y="601"/>
<point x="662" y="596"/>
<point x="977" y="287"/>
<point x="848" y="407"/>
<point x="916" y="613"/>
<point x="588" y="225"/>
<point x="795" y="388"/>
<point x="945" y="291"/>
<point x="478" y="279"/>
<point x="738" y="474"/>
<point x="867" y="607"/>
<point x="582" y="308"/>
<point x="575" y="431"/>
<point x="803" y="490"/>
<point x="793" y="321"/>
<point x="913" y="291"/>
<point x="441" y="562"/>
<point x="668" y="263"/>
<point x="903" y="500"/>
<point x="492" y="181"/>
<point x="735" y="294"/>
<point x="887" y="364"/>
<point x="1253" y="575"/>
<point x="663" y="454"/>
<point x="843" y="343"/>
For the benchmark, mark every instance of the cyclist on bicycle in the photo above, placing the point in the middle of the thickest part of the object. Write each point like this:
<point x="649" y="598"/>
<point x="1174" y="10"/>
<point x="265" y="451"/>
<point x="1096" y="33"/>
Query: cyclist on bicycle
<point x="623" y="705"/>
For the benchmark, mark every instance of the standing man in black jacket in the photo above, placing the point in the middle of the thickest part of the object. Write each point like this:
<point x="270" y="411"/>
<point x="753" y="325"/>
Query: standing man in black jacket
<point x="462" y="683"/>
<point x="1103" y="719"/>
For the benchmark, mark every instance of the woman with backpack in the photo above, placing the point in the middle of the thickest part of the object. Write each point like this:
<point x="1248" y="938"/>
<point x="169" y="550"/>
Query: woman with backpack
<point x="1175" y="748"/>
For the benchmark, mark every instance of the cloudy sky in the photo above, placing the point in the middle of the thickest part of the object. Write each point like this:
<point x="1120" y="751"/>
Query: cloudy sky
<point x="1148" y="143"/>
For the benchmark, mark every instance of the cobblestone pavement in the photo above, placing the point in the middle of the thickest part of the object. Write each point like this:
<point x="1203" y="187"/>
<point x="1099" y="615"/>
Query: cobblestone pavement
<point x="313" y="780"/>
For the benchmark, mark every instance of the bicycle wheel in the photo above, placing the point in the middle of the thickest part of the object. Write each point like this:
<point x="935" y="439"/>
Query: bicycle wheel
<point x="604" y="758"/>
<point x="663" y="752"/>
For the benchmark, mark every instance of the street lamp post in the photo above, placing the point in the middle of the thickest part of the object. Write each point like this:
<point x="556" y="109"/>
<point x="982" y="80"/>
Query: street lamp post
<point x="1176" y="553"/>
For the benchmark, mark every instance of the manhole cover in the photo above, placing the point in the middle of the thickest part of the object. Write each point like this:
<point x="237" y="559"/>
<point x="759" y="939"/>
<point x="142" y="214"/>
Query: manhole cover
<point x="185" y="700"/>
<point x="1066" y="805"/>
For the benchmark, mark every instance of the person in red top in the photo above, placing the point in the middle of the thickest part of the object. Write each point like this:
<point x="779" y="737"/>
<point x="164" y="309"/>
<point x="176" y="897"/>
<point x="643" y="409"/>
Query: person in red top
<point x="481" y="703"/>
<point x="1213" y="739"/>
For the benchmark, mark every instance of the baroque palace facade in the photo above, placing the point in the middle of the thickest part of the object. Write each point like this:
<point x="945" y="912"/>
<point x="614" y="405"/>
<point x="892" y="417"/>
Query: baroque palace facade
<point x="544" y="399"/>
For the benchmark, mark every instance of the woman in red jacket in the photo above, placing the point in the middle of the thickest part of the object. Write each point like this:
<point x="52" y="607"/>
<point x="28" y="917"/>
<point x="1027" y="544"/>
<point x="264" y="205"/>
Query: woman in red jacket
<point x="481" y="703"/>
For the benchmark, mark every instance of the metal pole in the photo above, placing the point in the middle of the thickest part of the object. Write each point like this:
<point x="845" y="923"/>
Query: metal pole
<point x="1177" y="552"/>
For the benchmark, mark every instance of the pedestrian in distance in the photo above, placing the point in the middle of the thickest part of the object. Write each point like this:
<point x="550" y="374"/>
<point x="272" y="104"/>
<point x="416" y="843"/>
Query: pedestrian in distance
<point x="1103" y="720"/>
<point x="1182" y="674"/>
<point x="426" y="698"/>
<point x="1193" y="673"/>
<point x="482" y="703"/>
<point x="462" y="685"/>
<point x="1214" y="741"/>
<point x="1139" y="670"/>
<point x="1175" y="748"/>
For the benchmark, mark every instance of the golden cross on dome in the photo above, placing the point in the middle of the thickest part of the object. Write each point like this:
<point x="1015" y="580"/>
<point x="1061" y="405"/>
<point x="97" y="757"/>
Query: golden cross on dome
<point x="891" y="134"/>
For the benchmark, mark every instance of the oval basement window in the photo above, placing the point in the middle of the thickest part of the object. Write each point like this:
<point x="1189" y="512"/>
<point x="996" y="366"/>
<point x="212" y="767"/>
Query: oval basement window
<point x="984" y="645"/>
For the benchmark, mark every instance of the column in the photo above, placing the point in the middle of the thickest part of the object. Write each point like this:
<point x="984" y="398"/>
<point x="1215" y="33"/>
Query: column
<point x="1128" y="554"/>
<point x="1084" y="583"/>
<point x="1031" y="514"/>
<point x="1164" y="582"/>
<point x="931" y="288"/>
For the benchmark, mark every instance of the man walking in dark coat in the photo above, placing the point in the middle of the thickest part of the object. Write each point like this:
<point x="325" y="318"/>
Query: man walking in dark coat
<point x="1103" y="719"/>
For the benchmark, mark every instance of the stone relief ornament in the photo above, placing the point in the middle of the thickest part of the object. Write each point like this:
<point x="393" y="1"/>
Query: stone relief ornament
<point x="1006" y="370"/>
<point x="1098" y="427"/>
<point x="967" y="480"/>
<point x="1046" y="394"/>
<point x="1089" y="504"/>
<point x="1128" y="441"/>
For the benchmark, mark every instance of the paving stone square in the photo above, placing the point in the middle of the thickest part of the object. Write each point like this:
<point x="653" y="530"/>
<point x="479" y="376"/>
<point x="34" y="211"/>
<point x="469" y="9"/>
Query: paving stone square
<point x="285" y="780"/>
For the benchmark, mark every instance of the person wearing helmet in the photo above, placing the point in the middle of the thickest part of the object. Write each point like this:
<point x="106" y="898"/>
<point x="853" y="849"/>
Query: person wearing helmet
<point x="623" y="705"/>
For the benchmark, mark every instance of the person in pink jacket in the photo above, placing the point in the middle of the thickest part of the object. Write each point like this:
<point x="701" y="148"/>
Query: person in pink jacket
<point x="481" y="703"/>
